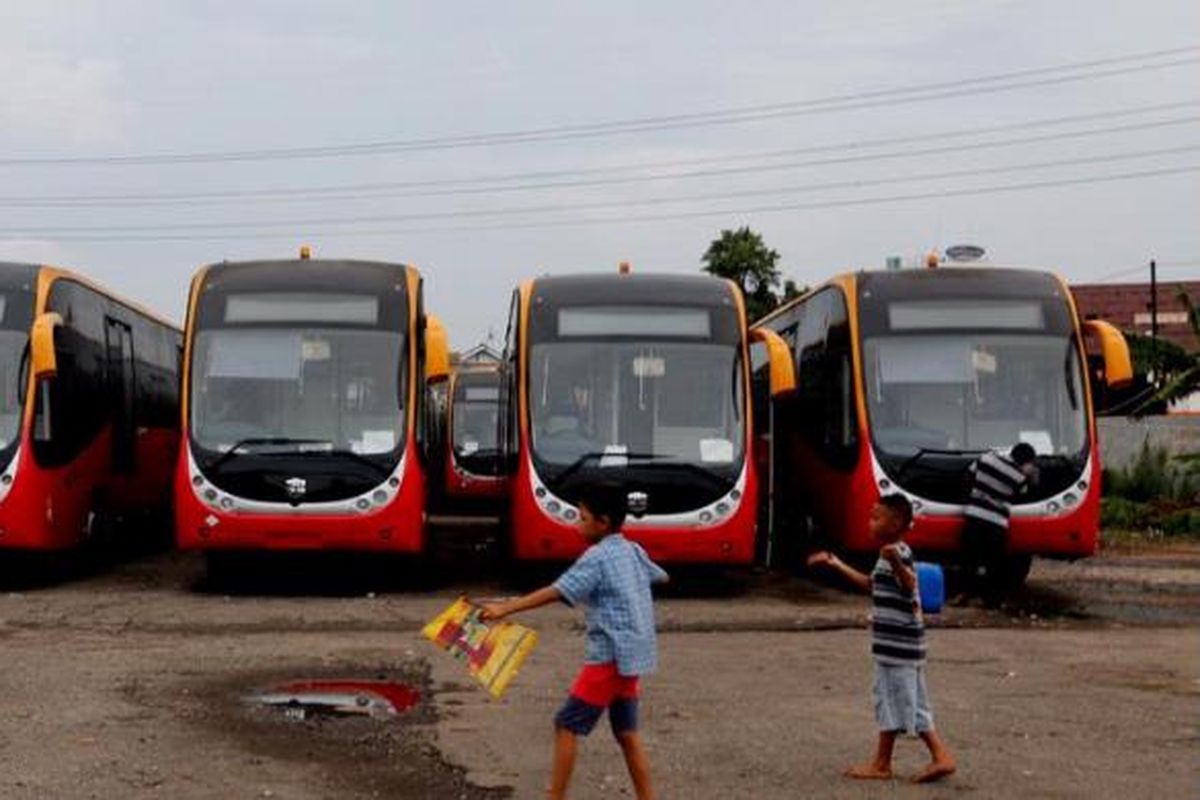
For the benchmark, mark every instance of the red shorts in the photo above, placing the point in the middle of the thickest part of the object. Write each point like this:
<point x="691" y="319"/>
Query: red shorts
<point x="601" y="684"/>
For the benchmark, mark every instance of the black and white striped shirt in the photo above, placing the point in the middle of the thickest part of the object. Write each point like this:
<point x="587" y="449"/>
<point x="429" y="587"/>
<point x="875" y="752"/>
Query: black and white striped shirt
<point x="897" y="629"/>
<point x="996" y="481"/>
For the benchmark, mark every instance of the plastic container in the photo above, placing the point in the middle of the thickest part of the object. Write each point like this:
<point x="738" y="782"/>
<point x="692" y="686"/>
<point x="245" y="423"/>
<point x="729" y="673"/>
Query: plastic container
<point x="931" y="584"/>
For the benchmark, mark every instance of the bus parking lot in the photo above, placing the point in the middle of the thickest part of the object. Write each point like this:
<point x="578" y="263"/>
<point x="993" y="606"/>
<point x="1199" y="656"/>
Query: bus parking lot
<point x="127" y="681"/>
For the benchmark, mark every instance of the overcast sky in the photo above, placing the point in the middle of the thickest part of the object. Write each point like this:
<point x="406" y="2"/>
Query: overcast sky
<point x="145" y="77"/>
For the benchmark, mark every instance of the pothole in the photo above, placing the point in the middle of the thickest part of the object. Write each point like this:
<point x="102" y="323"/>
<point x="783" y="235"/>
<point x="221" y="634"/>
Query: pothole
<point x="303" y="699"/>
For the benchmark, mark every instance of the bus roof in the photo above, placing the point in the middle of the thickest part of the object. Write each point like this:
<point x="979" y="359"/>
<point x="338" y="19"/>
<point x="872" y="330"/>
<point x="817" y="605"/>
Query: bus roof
<point x="633" y="288"/>
<point x="14" y="273"/>
<point x="262" y="268"/>
<point x="913" y="276"/>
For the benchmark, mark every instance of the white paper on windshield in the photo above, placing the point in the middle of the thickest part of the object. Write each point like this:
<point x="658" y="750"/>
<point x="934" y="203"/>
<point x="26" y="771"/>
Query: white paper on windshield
<point x="266" y="355"/>
<point x="615" y="455"/>
<point x="1040" y="441"/>
<point x="649" y="367"/>
<point x="316" y="350"/>
<point x="925" y="361"/>
<point x="983" y="361"/>
<point x="375" y="442"/>
<point x="716" y="451"/>
<point x="469" y="447"/>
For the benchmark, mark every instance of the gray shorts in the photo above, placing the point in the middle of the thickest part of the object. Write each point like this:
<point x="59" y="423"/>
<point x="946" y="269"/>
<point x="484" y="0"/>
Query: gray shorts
<point x="901" y="702"/>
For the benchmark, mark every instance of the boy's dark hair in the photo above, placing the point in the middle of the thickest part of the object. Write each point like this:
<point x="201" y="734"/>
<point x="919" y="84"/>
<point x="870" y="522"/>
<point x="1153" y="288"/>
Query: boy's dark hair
<point x="1022" y="453"/>
<point x="606" y="500"/>
<point x="898" y="504"/>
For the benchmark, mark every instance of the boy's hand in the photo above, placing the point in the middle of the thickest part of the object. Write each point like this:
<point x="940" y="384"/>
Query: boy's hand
<point x="821" y="558"/>
<point x="890" y="552"/>
<point x="491" y="612"/>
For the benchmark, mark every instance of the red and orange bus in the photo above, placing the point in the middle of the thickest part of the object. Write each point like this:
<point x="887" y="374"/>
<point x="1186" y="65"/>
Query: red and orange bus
<point x="473" y="477"/>
<point x="635" y="379"/>
<point x="906" y="377"/>
<point x="89" y="410"/>
<point x="304" y="417"/>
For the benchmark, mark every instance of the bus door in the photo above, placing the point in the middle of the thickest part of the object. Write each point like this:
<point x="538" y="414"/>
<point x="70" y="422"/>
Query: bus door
<point x="122" y="391"/>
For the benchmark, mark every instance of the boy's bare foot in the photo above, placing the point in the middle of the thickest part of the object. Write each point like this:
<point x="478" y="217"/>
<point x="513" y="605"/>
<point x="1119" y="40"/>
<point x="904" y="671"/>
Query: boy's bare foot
<point x="935" y="771"/>
<point x="869" y="772"/>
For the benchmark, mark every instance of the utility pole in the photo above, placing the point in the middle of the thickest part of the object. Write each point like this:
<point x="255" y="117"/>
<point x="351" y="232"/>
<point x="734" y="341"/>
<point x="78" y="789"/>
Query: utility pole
<point x="1154" y="320"/>
<point x="1154" y="302"/>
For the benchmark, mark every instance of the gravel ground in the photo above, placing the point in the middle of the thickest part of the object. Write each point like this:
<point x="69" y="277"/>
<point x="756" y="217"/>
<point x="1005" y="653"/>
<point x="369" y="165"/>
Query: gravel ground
<point x="127" y="680"/>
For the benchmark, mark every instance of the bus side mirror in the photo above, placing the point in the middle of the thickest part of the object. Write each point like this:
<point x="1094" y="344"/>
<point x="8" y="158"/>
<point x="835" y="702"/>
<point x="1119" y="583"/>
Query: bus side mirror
<point x="437" y="351"/>
<point x="779" y="360"/>
<point x="1113" y="351"/>
<point x="43" y="360"/>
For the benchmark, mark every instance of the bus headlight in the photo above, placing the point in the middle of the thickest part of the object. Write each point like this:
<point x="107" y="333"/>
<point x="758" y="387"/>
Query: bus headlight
<point x="1069" y="499"/>
<point x="226" y="503"/>
<point x="1053" y="507"/>
<point x="722" y="508"/>
<point x="1083" y="486"/>
<point x="884" y="484"/>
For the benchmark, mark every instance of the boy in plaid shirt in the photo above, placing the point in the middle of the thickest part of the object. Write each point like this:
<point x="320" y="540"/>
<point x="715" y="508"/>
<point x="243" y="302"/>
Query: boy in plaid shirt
<point x="612" y="578"/>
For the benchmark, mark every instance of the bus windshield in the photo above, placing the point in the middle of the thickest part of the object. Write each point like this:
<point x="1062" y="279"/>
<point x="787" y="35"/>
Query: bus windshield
<point x="968" y="391"/>
<point x="327" y="389"/>
<point x="660" y="402"/>
<point x="475" y="420"/>
<point x="13" y="363"/>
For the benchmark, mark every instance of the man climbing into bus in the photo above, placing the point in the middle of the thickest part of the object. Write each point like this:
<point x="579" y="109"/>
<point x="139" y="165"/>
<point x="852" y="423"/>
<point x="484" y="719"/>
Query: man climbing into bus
<point x="995" y="481"/>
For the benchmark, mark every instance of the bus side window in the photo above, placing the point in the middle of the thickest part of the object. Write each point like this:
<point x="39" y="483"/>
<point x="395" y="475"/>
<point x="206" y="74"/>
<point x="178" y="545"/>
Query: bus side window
<point x="825" y="379"/>
<point x="760" y="372"/>
<point x="841" y="427"/>
<point x="76" y="416"/>
<point x="509" y="396"/>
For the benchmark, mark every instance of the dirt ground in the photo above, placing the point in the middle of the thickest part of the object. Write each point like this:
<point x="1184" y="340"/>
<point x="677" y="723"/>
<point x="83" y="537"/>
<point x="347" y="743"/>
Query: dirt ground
<point x="128" y="679"/>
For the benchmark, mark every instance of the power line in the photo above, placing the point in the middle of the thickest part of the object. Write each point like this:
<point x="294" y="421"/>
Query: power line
<point x="842" y="102"/>
<point x="598" y="206"/>
<point x="1195" y="262"/>
<point x="385" y="190"/>
<point x="537" y="174"/>
<point x="810" y="206"/>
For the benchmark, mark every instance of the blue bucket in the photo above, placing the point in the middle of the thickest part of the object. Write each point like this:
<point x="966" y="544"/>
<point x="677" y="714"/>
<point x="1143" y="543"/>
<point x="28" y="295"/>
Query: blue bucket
<point x="931" y="584"/>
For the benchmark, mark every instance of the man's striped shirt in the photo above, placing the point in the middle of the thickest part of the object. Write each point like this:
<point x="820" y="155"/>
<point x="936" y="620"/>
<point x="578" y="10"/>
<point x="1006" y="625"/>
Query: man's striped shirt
<point x="897" y="629"/>
<point x="996" y="481"/>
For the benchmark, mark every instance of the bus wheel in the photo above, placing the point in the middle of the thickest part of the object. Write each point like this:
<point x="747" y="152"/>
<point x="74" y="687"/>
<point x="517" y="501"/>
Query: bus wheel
<point x="220" y="568"/>
<point x="1010" y="572"/>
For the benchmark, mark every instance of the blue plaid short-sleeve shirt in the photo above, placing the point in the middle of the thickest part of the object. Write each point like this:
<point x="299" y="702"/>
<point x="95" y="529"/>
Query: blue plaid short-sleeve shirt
<point x="612" y="579"/>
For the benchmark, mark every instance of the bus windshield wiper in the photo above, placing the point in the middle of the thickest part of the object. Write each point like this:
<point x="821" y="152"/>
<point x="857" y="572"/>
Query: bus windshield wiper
<point x="359" y="458"/>
<point x="932" y="451"/>
<point x="583" y="460"/>
<point x="662" y="458"/>
<point x="240" y="447"/>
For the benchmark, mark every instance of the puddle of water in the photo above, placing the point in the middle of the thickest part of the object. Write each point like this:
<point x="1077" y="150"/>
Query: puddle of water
<point x="299" y="700"/>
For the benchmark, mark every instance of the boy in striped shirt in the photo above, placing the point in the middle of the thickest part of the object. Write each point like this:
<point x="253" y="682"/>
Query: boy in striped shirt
<point x="897" y="644"/>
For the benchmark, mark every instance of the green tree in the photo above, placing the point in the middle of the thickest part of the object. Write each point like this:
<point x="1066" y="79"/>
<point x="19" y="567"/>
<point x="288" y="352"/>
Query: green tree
<point x="743" y="257"/>
<point x="1178" y="373"/>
